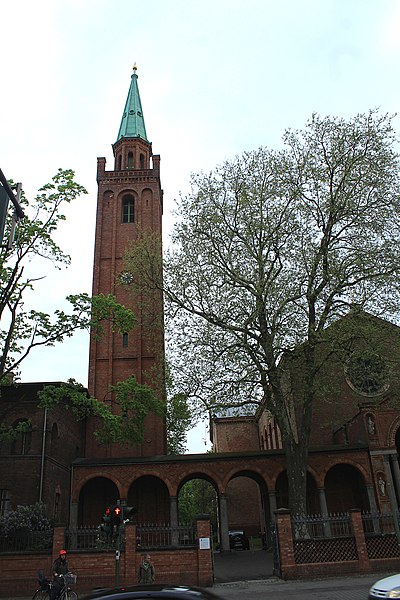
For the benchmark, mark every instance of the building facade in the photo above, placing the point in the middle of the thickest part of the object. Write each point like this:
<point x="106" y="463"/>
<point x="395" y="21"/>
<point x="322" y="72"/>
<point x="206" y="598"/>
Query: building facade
<point x="353" y="458"/>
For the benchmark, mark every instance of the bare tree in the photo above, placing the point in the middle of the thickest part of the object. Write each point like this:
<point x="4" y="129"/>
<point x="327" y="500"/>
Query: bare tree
<point x="268" y="250"/>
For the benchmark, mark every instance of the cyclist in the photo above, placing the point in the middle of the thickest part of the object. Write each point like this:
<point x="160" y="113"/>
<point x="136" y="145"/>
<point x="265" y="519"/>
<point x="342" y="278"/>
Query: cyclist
<point x="60" y="567"/>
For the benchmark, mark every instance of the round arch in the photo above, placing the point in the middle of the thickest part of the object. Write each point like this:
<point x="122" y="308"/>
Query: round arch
<point x="150" y="496"/>
<point x="94" y="497"/>
<point x="197" y="494"/>
<point x="248" y="503"/>
<point x="282" y="492"/>
<point x="345" y="489"/>
<point x="197" y="475"/>
<point x="393" y="434"/>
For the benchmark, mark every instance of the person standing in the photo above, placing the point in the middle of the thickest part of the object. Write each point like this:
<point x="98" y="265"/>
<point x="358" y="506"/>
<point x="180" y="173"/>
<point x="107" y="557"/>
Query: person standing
<point x="147" y="572"/>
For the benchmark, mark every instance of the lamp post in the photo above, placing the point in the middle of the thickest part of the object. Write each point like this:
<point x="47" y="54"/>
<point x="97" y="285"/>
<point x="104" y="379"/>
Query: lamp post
<point x="7" y="194"/>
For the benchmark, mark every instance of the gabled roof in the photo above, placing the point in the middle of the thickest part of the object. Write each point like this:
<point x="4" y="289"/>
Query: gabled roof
<point x="132" y="122"/>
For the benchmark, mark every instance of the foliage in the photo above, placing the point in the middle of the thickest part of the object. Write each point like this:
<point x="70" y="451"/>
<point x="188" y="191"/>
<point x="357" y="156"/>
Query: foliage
<point x="268" y="250"/>
<point x="27" y="518"/>
<point x="179" y="418"/>
<point x="197" y="497"/>
<point x="8" y="433"/>
<point x="123" y="423"/>
<point x="179" y="421"/>
<point x="22" y="330"/>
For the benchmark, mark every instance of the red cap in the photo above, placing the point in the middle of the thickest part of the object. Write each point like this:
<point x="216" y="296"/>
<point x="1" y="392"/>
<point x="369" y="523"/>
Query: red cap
<point x="63" y="552"/>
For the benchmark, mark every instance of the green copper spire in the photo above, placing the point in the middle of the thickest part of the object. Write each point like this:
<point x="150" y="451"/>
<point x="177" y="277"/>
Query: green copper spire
<point x="132" y="122"/>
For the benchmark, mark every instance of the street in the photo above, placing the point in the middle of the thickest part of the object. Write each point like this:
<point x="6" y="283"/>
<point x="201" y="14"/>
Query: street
<point x="346" y="588"/>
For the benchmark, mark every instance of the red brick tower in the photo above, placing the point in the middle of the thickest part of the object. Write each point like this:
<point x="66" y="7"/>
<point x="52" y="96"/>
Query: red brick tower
<point x="129" y="196"/>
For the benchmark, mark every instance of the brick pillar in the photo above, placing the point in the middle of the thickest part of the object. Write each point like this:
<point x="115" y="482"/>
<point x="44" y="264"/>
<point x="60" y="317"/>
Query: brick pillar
<point x="204" y="559"/>
<point x="224" y="523"/>
<point x="285" y="543"/>
<point x="131" y="563"/>
<point x="359" y="536"/>
<point x="58" y="542"/>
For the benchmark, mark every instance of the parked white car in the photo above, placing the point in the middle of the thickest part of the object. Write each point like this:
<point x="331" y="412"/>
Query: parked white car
<point x="389" y="587"/>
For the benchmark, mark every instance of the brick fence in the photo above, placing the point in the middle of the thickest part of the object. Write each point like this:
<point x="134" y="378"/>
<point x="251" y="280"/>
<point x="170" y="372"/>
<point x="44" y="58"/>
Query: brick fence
<point x="187" y="566"/>
<point x="356" y="551"/>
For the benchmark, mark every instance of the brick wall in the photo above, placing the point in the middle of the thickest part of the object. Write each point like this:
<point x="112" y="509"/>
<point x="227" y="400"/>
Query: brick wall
<point x="235" y="434"/>
<point x="289" y="569"/>
<point x="190" y="566"/>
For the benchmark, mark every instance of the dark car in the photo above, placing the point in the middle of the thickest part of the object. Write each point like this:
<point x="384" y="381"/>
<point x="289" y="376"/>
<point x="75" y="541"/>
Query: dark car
<point x="177" y="592"/>
<point x="238" y="540"/>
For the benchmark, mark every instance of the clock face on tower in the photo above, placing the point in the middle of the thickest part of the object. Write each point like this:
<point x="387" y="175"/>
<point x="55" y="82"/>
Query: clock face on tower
<point x="126" y="278"/>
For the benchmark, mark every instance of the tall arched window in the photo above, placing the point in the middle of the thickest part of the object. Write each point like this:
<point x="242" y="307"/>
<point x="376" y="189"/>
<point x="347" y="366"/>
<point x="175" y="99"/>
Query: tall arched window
<point x="142" y="161"/>
<point x="119" y="163"/>
<point x="128" y="206"/>
<point x="130" y="160"/>
<point x="22" y="444"/>
<point x="54" y="436"/>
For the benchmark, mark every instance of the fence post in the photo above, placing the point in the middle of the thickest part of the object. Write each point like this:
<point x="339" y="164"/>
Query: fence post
<point x="204" y="549"/>
<point x="130" y="566"/>
<point x="285" y="542"/>
<point x="359" y="536"/>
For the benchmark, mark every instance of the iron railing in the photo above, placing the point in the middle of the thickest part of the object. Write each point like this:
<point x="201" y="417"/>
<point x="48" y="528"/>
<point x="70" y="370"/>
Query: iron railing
<point x="376" y="523"/>
<point x="335" y="525"/>
<point x="148" y="536"/>
<point x="94" y="539"/>
<point x="27" y="541"/>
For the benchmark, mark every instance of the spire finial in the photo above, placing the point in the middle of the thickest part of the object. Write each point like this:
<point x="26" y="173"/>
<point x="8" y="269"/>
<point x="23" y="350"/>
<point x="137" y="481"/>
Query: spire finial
<point x="134" y="67"/>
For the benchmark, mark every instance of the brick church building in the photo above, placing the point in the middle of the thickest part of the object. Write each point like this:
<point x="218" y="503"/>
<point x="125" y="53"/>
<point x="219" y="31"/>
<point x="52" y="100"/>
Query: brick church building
<point x="353" y="458"/>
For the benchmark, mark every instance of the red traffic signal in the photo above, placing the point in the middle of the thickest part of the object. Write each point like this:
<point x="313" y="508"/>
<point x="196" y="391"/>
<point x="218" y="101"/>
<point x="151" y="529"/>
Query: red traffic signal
<point x="117" y="514"/>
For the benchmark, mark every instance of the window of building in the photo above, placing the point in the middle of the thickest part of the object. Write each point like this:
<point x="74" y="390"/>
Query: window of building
<point x="57" y="504"/>
<point x="128" y="209"/>
<point x="22" y="444"/>
<point x="130" y="160"/>
<point x="54" y="436"/>
<point x="125" y="340"/>
<point x="4" y="502"/>
<point x="367" y="373"/>
<point x="142" y="161"/>
<point x="119" y="163"/>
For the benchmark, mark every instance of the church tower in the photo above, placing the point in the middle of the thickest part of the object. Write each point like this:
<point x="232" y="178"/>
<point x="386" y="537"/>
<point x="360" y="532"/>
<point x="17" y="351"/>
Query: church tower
<point x="129" y="197"/>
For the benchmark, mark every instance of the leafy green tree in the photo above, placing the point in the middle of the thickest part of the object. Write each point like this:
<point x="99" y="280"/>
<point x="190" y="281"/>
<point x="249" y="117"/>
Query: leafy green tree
<point x="179" y="418"/>
<point x="197" y="497"/>
<point x="132" y="400"/>
<point x="268" y="250"/>
<point x="21" y="329"/>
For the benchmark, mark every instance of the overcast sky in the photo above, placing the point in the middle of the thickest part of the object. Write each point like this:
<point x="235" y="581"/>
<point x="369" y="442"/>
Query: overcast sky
<point x="216" y="78"/>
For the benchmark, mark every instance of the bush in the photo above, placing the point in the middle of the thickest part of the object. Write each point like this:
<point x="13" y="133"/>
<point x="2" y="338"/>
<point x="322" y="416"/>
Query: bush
<point x="25" y="518"/>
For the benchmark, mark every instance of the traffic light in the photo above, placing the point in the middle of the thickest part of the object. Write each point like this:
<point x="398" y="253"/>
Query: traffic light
<point x="128" y="512"/>
<point x="106" y="522"/>
<point x="116" y="515"/>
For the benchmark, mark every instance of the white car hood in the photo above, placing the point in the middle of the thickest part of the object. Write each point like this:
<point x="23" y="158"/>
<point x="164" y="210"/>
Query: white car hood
<point x="388" y="583"/>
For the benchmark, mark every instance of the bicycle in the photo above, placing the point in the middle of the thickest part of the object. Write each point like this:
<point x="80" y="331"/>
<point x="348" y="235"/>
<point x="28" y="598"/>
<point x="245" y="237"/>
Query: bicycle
<point x="44" y="591"/>
<point x="66" y="593"/>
